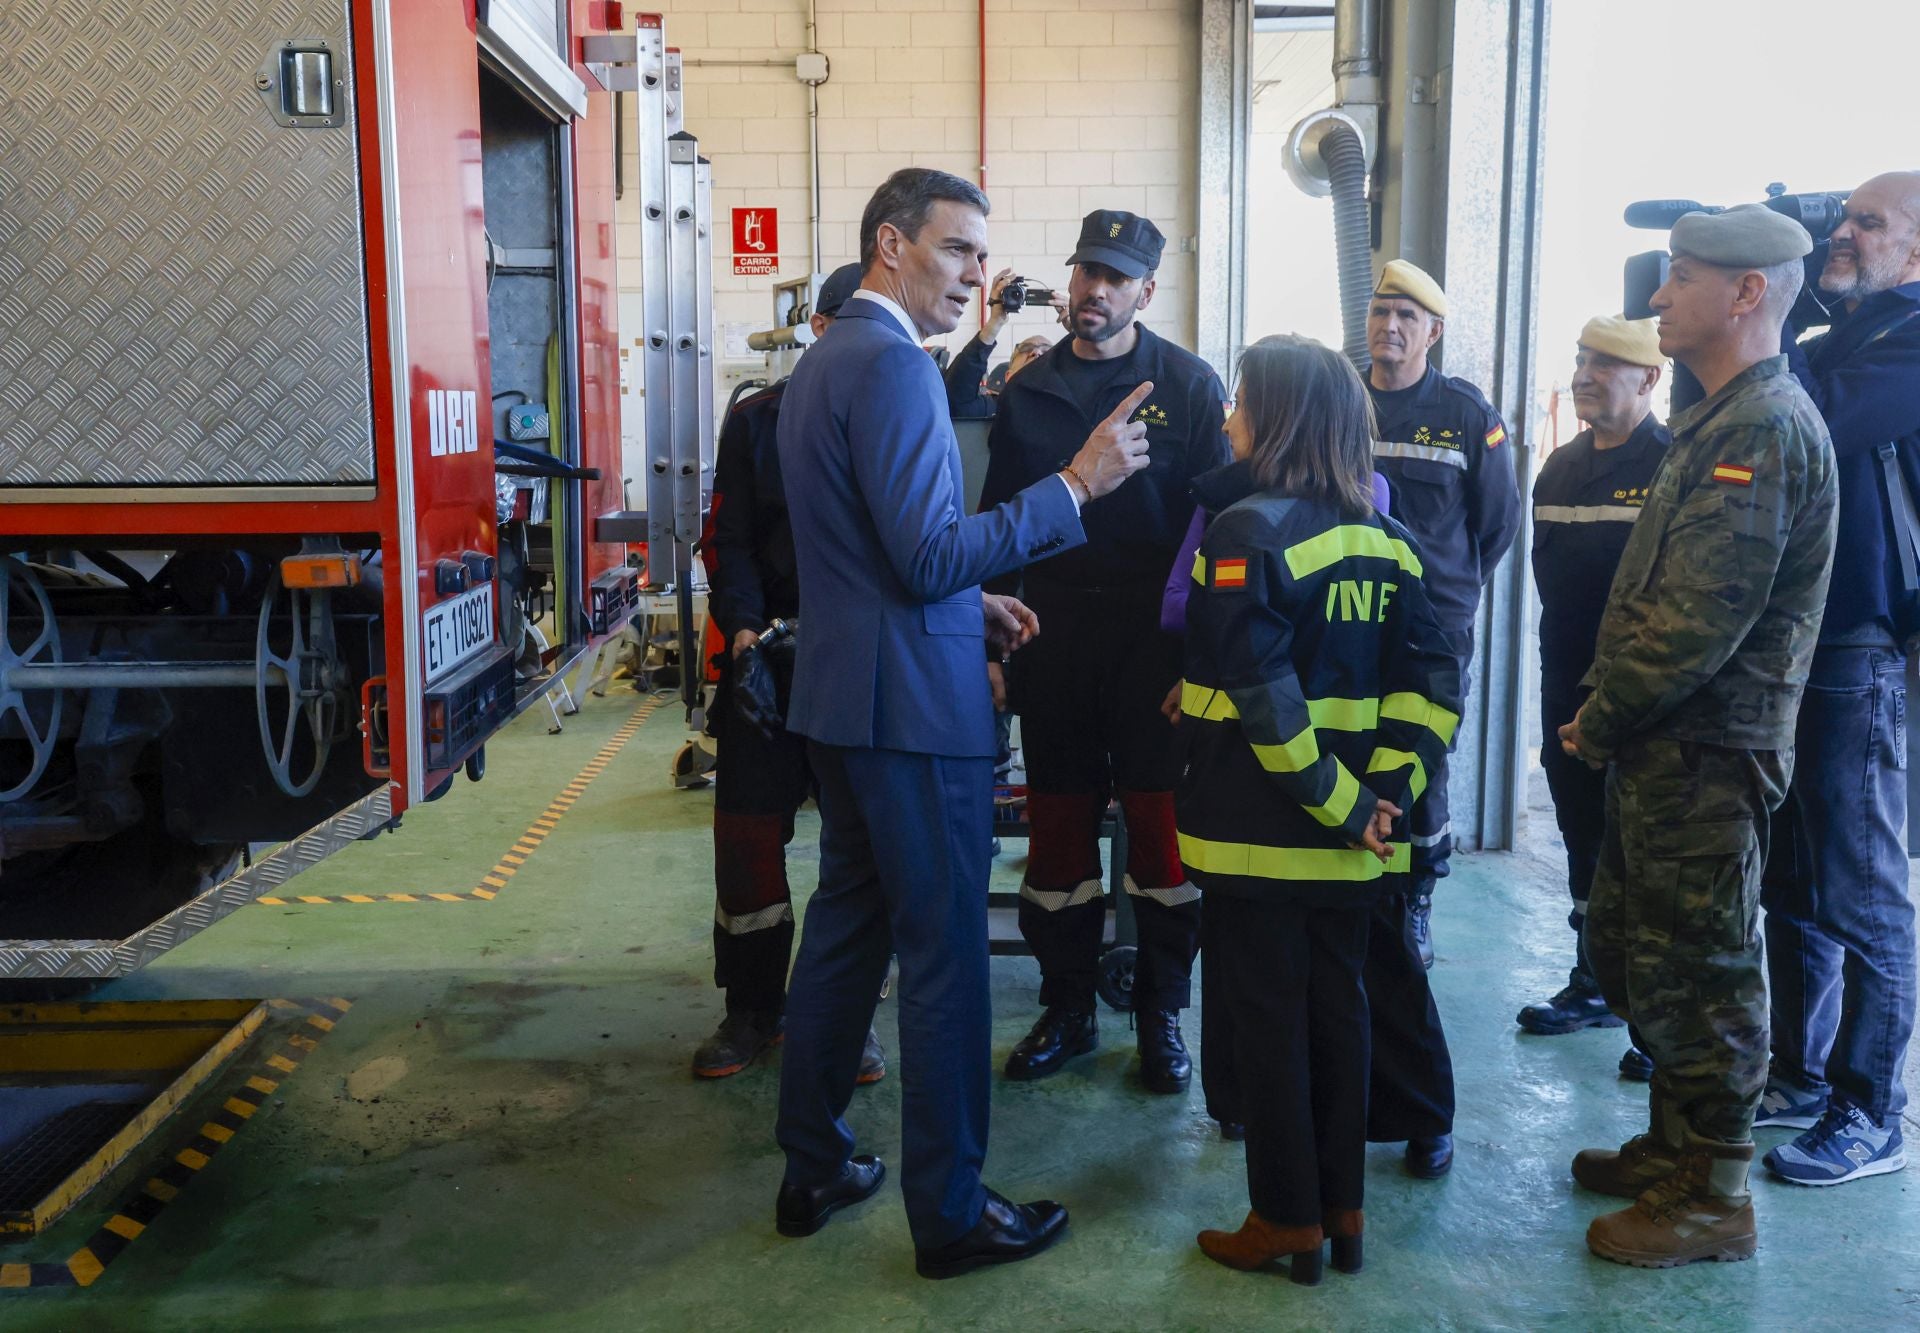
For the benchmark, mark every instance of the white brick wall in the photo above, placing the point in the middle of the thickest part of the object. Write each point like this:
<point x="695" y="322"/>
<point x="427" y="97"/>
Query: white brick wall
<point x="1090" y="104"/>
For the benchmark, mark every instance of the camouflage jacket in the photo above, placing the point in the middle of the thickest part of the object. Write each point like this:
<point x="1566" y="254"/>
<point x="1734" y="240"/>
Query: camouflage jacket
<point x="1711" y="622"/>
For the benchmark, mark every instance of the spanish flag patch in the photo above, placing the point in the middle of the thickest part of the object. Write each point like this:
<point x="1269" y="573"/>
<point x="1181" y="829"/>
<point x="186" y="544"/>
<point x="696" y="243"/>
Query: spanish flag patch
<point x="1733" y="474"/>
<point x="1229" y="573"/>
<point x="1496" y="435"/>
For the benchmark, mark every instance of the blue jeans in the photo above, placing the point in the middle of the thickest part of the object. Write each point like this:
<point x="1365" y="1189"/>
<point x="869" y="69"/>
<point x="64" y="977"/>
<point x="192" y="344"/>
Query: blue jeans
<point x="1839" y="925"/>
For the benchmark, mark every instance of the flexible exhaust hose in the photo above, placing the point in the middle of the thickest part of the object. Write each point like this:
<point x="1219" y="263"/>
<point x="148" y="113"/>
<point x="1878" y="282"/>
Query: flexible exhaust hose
<point x="1346" y="159"/>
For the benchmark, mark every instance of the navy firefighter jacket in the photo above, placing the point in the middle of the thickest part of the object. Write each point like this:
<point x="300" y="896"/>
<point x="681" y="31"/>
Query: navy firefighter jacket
<point x="755" y="575"/>
<point x="1585" y="502"/>
<point x="1317" y="679"/>
<point x="1440" y="445"/>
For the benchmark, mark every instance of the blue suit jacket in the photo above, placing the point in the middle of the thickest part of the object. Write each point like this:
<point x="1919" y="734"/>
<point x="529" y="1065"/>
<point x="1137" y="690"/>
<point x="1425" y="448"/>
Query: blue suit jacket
<point x="890" y="646"/>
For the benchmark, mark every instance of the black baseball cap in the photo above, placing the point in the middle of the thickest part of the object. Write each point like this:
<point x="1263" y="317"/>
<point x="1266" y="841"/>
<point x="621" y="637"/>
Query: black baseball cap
<point x="840" y="284"/>
<point x="1124" y="242"/>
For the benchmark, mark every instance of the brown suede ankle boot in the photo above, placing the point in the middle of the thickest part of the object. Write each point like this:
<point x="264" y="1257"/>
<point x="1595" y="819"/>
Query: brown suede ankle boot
<point x="1642" y="1161"/>
<point x="1701" y="1211"/>
<point x="1259" y="1242"/>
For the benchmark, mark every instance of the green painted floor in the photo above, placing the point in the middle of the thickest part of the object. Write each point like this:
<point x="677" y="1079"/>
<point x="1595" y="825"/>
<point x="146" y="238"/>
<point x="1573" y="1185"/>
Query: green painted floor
<point x="502" y="1132"/>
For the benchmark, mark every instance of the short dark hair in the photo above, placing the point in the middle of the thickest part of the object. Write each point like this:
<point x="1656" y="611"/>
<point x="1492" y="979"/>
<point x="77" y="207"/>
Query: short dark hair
<point x="1312" y="423"/>
<point x="906" y="198"/>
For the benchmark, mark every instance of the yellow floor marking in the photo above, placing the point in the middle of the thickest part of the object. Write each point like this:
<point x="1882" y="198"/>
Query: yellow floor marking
<point x="85" y="1267"/>
<point x="218" y="1133"/>
<point x="161" y="1190"/>
<point x="281" y="1063"/>
<point x="121" y="1225"/>
<point x="324" y="1024"/>
<point x="264" y="1086"/>
<point x="190" y="1159"/>
<point x="242" y="1109"/>
<point x="15" y="1275"/>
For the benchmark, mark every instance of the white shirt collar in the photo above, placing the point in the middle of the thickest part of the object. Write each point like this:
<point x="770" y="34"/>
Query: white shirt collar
<point x="892" y="307"/>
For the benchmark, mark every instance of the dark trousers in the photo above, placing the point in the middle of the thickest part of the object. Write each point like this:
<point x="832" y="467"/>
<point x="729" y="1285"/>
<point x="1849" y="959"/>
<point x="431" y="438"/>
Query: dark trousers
<point x="1430" y="822"/>
<point x="1411" y="1094"/>
<point x="1289" y="979"/>
<point x="904" y="853"/>
<point x="1839" y="923"/>
<point x="761" y="783"/>
<point x="1088" y="692"/>
<point x="1579" y="808"/>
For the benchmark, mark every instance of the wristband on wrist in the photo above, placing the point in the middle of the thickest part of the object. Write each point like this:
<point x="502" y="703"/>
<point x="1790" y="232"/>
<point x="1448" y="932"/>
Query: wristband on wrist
<point x="1082" y="491"/>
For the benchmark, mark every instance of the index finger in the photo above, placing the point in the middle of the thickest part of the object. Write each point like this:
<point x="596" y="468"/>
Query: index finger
<point x="1129" y="403"/>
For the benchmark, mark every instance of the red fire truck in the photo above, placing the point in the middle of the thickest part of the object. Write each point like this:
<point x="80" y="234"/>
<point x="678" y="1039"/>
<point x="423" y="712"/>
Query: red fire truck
<point x="308" y="425"/>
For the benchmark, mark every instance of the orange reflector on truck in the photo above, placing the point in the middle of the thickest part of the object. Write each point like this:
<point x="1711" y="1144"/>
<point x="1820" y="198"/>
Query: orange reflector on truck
<point x="335" y="569"/>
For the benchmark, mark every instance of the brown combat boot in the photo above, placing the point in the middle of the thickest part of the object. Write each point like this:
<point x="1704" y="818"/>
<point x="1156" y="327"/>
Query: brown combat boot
<point x="1702" y="1211"/>
<point x="1642" y="1161"/>
<point x="1259" y="1242"/>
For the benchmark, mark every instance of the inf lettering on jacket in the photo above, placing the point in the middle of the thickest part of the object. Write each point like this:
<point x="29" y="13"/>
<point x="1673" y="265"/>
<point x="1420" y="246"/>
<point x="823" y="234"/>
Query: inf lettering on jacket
<point x="1359" y="599"/>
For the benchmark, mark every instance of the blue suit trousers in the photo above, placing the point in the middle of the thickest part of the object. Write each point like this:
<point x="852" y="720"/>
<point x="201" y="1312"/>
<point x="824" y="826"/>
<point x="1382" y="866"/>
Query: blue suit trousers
<point x="905" y="847"/>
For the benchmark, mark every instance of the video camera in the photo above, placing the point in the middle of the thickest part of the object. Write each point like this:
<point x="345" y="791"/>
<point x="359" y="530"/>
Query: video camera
<point x="1819" y="213"/>
<point x="1020" y="293"/>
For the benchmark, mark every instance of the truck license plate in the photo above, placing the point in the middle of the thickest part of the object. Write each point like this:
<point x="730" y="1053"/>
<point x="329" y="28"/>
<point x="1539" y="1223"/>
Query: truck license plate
<point x="458" y="628"/>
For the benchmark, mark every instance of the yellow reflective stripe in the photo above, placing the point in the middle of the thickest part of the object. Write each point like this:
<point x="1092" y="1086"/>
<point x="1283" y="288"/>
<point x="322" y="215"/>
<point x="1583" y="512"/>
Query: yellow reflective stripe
<point x="1334" y="810"/>
<point x="1199" y="569"/>
<point x="1421" y="712"/>
<point x="1385" y="761"/>
<point x="1258" y="861"/>
<point x="1206" y="703"/>
<point x="1211" y="705"/>
<point x="1302" y="752"/>
<point x="1345" y="542"/>
<point x="1344" y="714"/>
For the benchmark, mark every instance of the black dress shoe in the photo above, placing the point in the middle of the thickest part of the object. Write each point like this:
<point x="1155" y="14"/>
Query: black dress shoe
<point x="1059" y="1035"/>
<point x="1430" y="1159"/>
<point x="1006" y="1233"/>
<point x="1420" y="927"/>
<point x="800" y="1211"/>
<point x="1637" y="1065"/>
<point x="1165" y="1065"/>
<point x="1233" y="1131"/>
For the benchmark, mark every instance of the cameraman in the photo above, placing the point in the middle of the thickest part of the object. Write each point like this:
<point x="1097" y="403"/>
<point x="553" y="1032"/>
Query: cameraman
<point x="967" y="400"/>
<point x="1839" y="925"/>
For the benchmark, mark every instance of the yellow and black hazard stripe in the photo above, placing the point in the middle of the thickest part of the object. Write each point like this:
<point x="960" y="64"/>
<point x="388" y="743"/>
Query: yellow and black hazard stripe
<point x="514" y="857"/>
<point x="138" y="1210"/>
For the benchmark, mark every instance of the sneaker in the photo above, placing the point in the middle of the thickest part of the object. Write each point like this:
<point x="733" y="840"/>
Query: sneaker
<point x="1847" y="1144"/>
<point x="1636" y="1065"/>
<point x="1785" y="1105"/>
<point x="873" y="1061"/>
<point x="737" y="1041"/>
<point x="1577" y="1006"/>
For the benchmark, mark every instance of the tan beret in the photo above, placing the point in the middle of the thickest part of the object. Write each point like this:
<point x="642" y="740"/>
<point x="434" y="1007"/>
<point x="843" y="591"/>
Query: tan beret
<point x="1746" y="236"/>
<point x="1632" y="340"/>
<point x="1399" y="278"/>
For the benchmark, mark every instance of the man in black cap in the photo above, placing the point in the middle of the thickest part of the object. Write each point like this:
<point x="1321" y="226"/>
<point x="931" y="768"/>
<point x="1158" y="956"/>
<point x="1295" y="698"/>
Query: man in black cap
<point x="1089" y="690"/>
<point x="755" y="580"/>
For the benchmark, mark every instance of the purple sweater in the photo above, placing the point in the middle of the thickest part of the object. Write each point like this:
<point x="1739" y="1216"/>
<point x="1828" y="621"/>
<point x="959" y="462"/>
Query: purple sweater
<point x="1173" y="603"/>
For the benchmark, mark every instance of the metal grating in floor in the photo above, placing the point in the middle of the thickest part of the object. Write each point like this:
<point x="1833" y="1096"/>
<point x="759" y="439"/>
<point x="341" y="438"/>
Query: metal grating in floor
<point x="34" y="1166"/>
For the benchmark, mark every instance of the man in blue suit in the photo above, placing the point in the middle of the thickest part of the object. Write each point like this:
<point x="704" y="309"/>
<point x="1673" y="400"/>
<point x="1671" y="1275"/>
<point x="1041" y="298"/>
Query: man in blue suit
<point x="891" y="690"/>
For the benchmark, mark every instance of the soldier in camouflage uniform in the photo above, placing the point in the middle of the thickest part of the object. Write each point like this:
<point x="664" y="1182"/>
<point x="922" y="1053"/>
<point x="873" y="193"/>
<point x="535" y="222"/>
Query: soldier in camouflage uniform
<point x="1701" y="661"/>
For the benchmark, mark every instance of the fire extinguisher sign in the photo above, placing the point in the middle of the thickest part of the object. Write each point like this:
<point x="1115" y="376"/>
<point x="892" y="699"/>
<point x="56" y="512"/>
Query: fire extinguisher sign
<point x="756" y="240"/>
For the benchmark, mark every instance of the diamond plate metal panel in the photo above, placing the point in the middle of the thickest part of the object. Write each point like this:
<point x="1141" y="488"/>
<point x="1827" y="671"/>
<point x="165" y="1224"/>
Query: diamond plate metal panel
<point x="117" y="958"/>
<point x="181" y="291"/>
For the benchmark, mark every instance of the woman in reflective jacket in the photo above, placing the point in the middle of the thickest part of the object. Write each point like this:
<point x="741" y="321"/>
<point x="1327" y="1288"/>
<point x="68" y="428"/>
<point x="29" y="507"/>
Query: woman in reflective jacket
<point x="1319" y="694"/>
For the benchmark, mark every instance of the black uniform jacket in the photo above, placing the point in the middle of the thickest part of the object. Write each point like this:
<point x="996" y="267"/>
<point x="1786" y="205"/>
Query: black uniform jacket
<point x="1584" y="504"/>
<point x="755" y="575"/>
<point x="1445" y="452"/>
<point x="1317" y="679"/>
<point x="1134" y="533"/>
